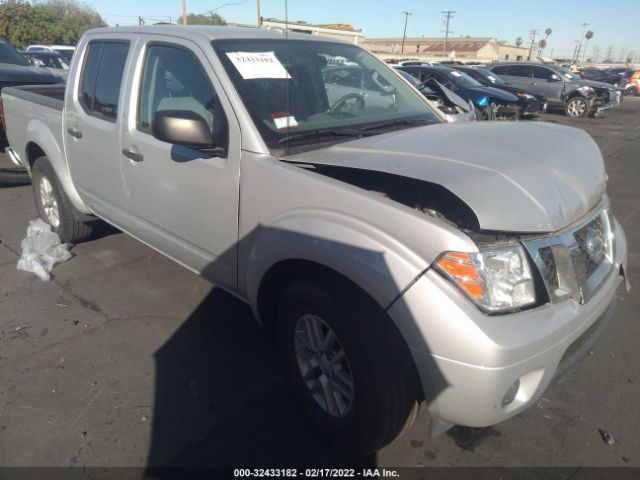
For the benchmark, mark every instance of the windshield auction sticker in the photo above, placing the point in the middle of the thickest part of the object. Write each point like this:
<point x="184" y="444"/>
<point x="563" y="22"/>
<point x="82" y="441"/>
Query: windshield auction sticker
<point x="258" y="65"/>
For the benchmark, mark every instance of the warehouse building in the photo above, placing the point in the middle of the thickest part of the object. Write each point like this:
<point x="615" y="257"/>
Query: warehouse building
<point x="462" y="48"/>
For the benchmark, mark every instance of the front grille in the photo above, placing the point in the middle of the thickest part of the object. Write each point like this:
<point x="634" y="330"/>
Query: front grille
<point x="574" y="263"/>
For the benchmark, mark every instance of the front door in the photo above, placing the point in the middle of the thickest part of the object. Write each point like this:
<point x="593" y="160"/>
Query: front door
<point x="180" y="200"/>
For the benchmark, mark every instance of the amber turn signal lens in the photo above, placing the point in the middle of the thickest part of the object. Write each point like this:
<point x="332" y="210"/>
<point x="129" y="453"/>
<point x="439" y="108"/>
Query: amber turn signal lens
<point x="460" y="268"/>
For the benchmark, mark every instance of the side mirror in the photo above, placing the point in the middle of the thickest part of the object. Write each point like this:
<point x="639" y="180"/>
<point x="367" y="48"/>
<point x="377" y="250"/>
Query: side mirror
<point x="182" y="127"/>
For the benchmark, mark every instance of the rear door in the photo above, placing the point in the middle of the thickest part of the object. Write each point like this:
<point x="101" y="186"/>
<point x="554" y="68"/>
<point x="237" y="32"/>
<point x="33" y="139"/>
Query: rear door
<point x="519" y="75"/>
<point x="92" y="136"/>
<point x="178" y="199"/>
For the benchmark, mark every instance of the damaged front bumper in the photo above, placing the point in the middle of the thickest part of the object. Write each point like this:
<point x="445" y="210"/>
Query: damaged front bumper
<point x="604" y="100"/>
<point x="478" y="370"/>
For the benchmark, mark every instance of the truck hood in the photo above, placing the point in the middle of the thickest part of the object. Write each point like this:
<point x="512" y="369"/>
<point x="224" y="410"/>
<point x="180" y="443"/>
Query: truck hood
<point x="516" y="177"/>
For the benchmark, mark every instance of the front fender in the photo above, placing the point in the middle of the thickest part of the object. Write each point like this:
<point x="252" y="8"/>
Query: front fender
<point x="39" y="133"/>
<point x="377" y="262"/>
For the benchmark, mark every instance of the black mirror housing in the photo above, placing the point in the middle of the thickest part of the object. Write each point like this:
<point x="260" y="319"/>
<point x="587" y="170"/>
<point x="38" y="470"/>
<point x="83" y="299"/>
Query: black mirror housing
<point x="182" y="127"/>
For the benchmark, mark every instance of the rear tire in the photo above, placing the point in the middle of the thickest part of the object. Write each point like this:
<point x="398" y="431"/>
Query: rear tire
<point x="577" y="107"/>
<point x="367" y="369"/>
<point x="54" y="207"/>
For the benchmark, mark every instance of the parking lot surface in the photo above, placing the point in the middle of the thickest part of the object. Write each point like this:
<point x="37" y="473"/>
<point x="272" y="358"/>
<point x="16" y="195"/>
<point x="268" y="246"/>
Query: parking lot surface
<point x="127" y="359"/>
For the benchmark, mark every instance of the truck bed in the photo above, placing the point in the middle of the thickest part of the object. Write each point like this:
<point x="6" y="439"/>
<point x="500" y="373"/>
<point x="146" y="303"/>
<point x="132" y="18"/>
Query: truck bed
<point x="34" y="108"/>
<point x="51" y="96"/>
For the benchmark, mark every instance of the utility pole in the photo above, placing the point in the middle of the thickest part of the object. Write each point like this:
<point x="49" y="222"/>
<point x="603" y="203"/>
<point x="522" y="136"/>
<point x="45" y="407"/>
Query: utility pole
<point x="584" y="29"/>
<point x="184" y="12"/>
<point x="259" y="17"/>
<point x="404" y="34"/>
<point x="448" y="16"/>
<point x="532" y="35"/>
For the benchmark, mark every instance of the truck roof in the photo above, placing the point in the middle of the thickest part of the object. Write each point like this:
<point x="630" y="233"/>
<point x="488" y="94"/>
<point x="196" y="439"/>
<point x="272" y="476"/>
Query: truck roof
<point x="202" y="32"/>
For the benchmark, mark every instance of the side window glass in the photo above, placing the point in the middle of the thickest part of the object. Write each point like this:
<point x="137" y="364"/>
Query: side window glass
<point x="109" y="81"/>
<point x="89" y="73"/>
<point x="102" y="78"/>
<point x="520" y="71"/>
<point x="501" y="70"/>
<point x="542" y="73"/>
<point x="173" y="79"/>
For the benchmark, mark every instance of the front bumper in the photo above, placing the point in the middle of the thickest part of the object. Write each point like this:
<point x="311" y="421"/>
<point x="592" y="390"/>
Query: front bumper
<point x="469" y="363"/>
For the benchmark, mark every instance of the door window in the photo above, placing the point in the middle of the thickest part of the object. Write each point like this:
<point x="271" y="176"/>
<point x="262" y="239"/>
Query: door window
<point x="102" y="78"/>
<point x="520" y="71"/>
<point x="501" y="70"/>
<point x="542" y="73"/>
<point x="173" y="79"/>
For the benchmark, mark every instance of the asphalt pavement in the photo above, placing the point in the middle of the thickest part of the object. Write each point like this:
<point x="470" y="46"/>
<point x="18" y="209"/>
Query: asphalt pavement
<point x="127" y="359"/>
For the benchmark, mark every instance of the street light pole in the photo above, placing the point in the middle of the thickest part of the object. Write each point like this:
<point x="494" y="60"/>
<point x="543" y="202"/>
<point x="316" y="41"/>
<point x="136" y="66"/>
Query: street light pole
<point x="184" y="12"/>
<point x="404" y="34"/>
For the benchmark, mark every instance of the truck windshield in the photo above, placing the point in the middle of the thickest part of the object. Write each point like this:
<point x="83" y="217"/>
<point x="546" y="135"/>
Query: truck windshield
<point x="317" y="91"/>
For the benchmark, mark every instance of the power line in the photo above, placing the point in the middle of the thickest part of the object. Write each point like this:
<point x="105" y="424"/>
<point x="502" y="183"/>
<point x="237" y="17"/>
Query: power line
<point x="448" y="16"/>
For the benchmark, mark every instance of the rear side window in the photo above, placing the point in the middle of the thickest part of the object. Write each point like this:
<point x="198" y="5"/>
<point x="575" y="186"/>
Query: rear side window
<point x="501" y="70"/>
<point x="102" y="78"/>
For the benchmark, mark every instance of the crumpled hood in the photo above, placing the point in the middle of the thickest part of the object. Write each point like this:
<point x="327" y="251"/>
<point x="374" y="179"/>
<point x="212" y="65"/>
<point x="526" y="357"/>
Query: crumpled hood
<point x="515" y="176"/>
<point x="595" y="84"/>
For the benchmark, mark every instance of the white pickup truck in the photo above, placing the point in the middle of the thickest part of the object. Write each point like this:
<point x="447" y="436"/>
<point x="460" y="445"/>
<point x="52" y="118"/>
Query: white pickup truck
<point x="398" y="259"/>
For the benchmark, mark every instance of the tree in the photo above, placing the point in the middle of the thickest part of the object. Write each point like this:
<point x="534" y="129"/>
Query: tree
<point x="518" y="41"/>
<point x="204" y="19"/>
<point x="588" y="36"/>
<point x="547" y="32"/>
<point x="67" y="20"/>
<point x="18" y="24"/>
<point x="54" y="21"/>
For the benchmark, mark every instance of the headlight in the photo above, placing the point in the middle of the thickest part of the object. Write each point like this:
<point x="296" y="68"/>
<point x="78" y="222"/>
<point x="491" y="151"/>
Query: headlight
<point x="496" y="279"/>
<point x="585" y="90"/>
<point x="524" y="95"/>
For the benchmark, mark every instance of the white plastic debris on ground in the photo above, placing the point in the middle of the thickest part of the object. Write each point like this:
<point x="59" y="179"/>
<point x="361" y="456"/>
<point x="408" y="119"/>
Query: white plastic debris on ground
<point x="41" y="250"/>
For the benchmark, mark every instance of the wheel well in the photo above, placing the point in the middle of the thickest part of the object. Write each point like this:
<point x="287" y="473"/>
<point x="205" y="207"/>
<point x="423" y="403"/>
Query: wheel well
<point x="282" y="274"/>
<point x="278" y="278"/>
<point x="33" y="152"/>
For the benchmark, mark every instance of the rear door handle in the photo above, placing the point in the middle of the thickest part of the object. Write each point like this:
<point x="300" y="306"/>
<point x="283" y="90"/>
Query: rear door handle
<point x="74" y="132"/>
<point x="136" y="157"/>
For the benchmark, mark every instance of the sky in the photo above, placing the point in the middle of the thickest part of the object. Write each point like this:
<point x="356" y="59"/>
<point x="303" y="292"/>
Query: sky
<point x="614" y="22"/>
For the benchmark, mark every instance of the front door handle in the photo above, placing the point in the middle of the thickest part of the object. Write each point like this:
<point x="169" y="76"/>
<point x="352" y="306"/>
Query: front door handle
<point x="74" y="132"/>
<point x="136" y="157"/>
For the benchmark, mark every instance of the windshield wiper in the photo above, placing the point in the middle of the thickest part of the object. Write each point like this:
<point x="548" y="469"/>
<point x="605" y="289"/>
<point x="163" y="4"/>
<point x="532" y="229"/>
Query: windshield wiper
<point x="317" y="134"/>
<point x="395" y="124"/>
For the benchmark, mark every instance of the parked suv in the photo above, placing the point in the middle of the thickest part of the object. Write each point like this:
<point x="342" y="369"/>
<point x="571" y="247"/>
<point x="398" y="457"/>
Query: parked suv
<point x="578" y="97"/>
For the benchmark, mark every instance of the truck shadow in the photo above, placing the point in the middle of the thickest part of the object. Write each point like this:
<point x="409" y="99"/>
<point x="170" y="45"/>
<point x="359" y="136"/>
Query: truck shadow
<point x="221" y="398"/>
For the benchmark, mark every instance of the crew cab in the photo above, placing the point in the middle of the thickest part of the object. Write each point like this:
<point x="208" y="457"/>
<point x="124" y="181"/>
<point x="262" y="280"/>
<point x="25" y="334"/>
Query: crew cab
<point x="398" y="259"/>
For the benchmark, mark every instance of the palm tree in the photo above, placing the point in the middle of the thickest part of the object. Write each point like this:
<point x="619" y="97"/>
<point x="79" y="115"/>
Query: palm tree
<point x="547" y="32"/>
<point x="588" y="36"/>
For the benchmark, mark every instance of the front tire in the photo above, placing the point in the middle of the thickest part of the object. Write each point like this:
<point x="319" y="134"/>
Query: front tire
<point x="54" y="207"/>
<point x="577" y="107"/>
<point x="631" y="92"/>
<point x="348" y="365"/>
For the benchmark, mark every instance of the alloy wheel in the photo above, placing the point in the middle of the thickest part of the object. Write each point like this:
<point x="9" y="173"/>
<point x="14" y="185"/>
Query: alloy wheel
<point x="49" y="203"/>
<point x="324" y="365"/>
<point x="576" y="107"/>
